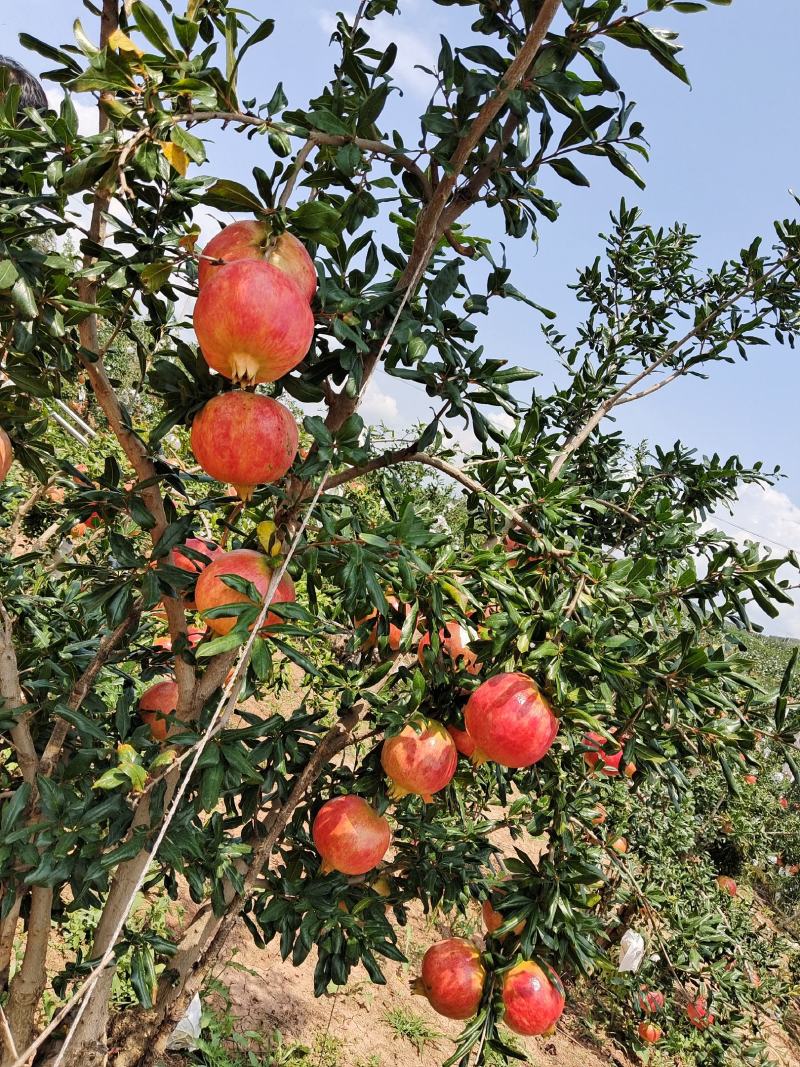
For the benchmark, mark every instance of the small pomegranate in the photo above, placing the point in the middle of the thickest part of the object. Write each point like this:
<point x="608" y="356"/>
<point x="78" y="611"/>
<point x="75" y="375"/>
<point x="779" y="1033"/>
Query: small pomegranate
<point x="619" y="844"/>
<point x="698" y="1014"/>
<point x="493" y="920"/>
<point x="421" y="759"/>
<point x="395" y="632"/>
<point x="600" y="814"/>
<point x="245" y="439"/>
<point x="464" y="743"/>
<point x="610" y="761"/>
<point x="212" y="592"/>
<point x="350" y="835"/>
<point x="78" y="531"/>
<point x="6" y="454"/>
<point x="533" y="998"/>
<point x="650" y="1000"/>
<point x="155" y="703"/>
<point x="194" y="635"/>
<point x="751" y="779"/>
<point x="207" y="551"/>
<point x="252" y="240"/>
<point x="649" y="1032"/>
<point x="452" y="978"/>
<point x="510" y="721"/>
<point x="784" y="803"/>
<point x="253" y="323"/>
<point x="727" y="885"/>
<point x="454" y="639"/>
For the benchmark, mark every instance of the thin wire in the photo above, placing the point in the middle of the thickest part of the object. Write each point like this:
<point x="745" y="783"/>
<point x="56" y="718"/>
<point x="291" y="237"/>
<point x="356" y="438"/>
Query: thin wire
<point x="88" y="986"/>
<point x="758" y="536"/>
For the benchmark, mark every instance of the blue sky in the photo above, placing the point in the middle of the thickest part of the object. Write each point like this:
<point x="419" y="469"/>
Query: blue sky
<point x="723" y="156"/>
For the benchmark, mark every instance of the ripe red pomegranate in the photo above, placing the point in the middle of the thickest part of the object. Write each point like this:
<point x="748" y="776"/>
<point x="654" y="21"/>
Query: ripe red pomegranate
<point x="421" y="759"/>
<point x="212" y="592"/>
<point x="454" y="640"/>
<point x="510" y="721"/>
<point x="155" y="703"/>
<point x="784" y="803"/>
<point x="727" y="885"/>
<point x="245" y="439"/>
<point x="194" y="635"/>
<point x="650" y="1000"/>
<point x="533" y="997"/>
<point x="253" y="323"/>
<point x="751" y="779"/>
<point x="698" y="1014"/>
<point x="609" y="761"/>
<point x="395" y="632"/>
<point x="649" y="1032"/>
<point x="493" y="920"/>
<point x="452" y="978"/>
<point x="350" y="835"/>
<point x="252" y="240"/>
<point x="6" y="454"/>
<point x="207" y="549"/>
<point x="464" y="743"/>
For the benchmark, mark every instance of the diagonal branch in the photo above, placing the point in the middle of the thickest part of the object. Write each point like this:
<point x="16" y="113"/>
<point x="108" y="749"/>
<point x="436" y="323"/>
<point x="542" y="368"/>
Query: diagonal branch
<point x="597" y="416"/>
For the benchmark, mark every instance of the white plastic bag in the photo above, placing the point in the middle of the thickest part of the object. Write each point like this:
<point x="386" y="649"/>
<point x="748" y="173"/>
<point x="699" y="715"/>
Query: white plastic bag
<point x="185" y="1035"/>
<point x="631" y="951"/>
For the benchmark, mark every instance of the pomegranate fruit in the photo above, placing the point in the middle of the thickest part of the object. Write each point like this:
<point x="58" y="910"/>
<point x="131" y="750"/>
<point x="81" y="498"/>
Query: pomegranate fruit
<point x="207" y="549"/>
<point x="350" y="835"/>
<point x="253" y="323"/>
<point x="698" y="1014"/>
<point x="619" y="844"/>
<point x="194" y="635"/>
<point x="454" y="640"/>
<point x="650" y="1000"/>
<point x="452" y="978"/>
<point x="727" y="885"/>
<point x="493" y="920"/>
<point x="510" y="721"/>
<point x="610" y="761"/>
<point x="751" y="779"/>
<point x="421" y="759"/>
<point x="212" y="592"/>
<point x="6" y="454"/>
<point x="245" y="439"/>
<point x="464" y="743"/>
<point x="649" y="1032"/>
<point x="155" y="704"/>
<point x="600" y="814"/>
<point x="395" y="632"/>
<point x="252" y="240"/>
<point x="784" y="803"/>
<point x="533" y="998"/>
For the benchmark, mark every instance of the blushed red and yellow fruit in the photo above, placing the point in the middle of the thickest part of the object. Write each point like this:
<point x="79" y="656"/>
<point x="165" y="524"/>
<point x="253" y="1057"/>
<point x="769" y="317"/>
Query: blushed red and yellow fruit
<point x="251" y="240"/>
<point x="650" y="1000"/>
<point x="245" y="439"/>
<point x="206" y="549"/>
<point x="619" y="844"/>
<point x="157" y="702"/>
<point x="421" y="759"/>
<point x="253" y="323"/>
<point x="727" y="885"/>
<point x="454" y="642"/>
<point x="533" y="998"/>
<point x="6" y="454"/>
<point x="609" y="761"/>
<point x="698" y="1014"/>
<point x="649" y="1032"/>
<point x="350" y="835"/>
<point x="452" y="978"/>
<point x="493" y="920"/>
<point x="510" y="721"/>
<point x="212" y="592"/>
<point x="395" y="632"/>
<point x="464" y="743"/>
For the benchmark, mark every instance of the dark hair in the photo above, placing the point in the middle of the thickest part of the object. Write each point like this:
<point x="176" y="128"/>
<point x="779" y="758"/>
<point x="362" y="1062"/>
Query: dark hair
<point x="32" y="91"/>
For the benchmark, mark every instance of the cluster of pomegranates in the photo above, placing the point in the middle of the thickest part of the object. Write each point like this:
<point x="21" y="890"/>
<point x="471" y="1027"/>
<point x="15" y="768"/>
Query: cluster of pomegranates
<point x="453" y="978"/>
<point x="652" y="1001"/>
<point x="254" y="324"/>
<point x="507" y="720"/>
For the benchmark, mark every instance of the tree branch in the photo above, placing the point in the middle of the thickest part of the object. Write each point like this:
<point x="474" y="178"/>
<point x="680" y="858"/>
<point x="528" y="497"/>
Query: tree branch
<point x="597" y="416"/>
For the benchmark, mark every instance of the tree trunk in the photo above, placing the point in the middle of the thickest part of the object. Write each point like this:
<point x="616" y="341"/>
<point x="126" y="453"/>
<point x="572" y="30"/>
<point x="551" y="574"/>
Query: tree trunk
<point x="28" y="983"/>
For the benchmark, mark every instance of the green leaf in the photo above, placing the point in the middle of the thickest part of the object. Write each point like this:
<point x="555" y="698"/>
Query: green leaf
<point x="566" y="169"/>
<point x="8" y="274"/>
<point x="192" y="146"/>
<point x="634" y="34"/>
<point x="232" y="196"/>
<point x="151" y="27"/>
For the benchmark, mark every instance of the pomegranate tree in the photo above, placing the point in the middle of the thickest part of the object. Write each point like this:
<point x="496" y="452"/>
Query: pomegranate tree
<point x="245" y="439"/>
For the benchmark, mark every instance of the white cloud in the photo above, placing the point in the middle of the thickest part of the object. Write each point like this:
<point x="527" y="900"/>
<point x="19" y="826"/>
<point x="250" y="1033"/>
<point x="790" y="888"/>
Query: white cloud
<point x="378" y="406"/>
<point x="412" y="50"/>
<point x="770" y="517"/>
